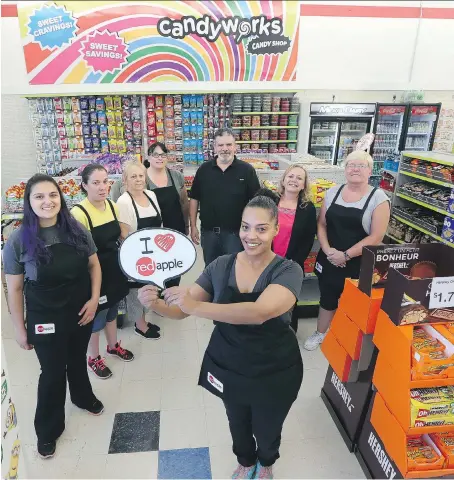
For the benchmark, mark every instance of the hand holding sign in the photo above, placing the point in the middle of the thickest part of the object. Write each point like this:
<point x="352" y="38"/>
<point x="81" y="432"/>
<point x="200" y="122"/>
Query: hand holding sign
<point x="154" y="255"/>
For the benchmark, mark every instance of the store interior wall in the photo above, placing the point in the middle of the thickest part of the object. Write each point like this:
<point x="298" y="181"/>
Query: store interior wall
<point x="359" y="59"/>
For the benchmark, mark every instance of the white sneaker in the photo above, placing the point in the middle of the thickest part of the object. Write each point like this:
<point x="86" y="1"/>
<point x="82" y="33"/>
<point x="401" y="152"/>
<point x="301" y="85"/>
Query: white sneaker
<point x="314" y="341"/>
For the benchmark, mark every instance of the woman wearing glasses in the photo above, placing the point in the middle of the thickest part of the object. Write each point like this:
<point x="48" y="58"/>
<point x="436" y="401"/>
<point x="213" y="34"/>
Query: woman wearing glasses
<point x="352" y="216"/>
<point x="169" y="188"/>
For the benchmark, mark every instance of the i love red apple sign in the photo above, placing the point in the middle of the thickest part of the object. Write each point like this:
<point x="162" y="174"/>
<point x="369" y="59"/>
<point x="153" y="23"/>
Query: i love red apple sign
<point x="154" y="255"/>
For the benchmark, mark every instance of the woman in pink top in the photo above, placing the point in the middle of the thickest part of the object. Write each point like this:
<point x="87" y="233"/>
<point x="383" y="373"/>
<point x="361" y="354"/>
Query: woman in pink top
<point x="297" y="219"/>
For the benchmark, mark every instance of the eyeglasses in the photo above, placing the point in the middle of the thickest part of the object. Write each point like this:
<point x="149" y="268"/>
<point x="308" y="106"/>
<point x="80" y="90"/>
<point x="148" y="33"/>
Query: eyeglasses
<point x="159" y="155"/>
<point x="361" y="166"/>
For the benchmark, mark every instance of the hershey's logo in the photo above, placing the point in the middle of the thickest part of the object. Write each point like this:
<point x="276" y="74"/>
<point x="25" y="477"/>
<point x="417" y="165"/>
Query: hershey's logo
<point x="382" y="458"/>
<point x="342" y="392"/>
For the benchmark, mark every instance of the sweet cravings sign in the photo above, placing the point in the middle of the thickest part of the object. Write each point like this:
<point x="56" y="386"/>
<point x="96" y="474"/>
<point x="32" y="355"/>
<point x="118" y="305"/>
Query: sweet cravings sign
<point x="155" y="255"/>
<point x="148" y="41"/>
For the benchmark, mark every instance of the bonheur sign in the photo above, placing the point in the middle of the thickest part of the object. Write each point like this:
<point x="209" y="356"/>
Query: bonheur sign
<point x="154" y="255"/>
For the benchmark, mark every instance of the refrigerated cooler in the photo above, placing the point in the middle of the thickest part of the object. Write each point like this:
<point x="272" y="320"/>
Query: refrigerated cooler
<point x="336" y="128"/>
<point x="421" y="126"/>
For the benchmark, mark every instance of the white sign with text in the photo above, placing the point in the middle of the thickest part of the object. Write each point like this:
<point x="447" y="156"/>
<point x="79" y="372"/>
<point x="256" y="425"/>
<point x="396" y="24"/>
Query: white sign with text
<point x="154" y="255"/>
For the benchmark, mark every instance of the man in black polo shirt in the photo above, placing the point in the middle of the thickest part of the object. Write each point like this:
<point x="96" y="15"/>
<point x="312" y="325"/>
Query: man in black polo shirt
<point x="222" y="187"/>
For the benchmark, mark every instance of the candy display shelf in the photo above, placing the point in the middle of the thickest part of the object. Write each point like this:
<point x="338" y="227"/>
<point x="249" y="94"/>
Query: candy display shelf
<point x="421" y="229"/>
<point x="421" y="189"/>
<point x="424" y="204"/>
<point x="275" y="127"/>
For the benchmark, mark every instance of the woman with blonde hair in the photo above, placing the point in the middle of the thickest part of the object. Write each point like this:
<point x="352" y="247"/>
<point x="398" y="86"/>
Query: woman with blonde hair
<point x="353" y="216"/>
<point x="138" y="209"/>
<point x="297" y="219"/>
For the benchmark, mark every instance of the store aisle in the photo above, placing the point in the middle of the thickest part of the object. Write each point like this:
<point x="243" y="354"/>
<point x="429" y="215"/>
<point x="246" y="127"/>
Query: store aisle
<point x="159" y="424"/>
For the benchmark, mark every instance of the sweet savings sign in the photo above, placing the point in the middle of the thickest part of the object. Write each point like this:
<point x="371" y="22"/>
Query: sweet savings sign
<point x="155" y="255"/>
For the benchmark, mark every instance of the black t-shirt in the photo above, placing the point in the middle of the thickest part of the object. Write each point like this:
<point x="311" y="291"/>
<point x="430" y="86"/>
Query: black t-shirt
<point x="223" y="195"/>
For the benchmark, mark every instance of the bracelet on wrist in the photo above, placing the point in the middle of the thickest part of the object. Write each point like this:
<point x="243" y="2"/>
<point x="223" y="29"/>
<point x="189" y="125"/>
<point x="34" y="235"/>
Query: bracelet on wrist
<point x="347" y="256"/>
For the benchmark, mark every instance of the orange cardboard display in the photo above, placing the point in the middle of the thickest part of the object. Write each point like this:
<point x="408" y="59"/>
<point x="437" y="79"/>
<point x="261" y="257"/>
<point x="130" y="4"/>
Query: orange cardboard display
<point x="347" y="334"/>
<point x="337" y="356"/>
<point x="395" y="346"/>
<point x="359" y="307"/>
<point x="395" y="440"/>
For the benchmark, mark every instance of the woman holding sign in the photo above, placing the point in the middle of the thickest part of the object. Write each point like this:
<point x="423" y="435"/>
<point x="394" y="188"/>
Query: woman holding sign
<point x="138" y="209"/>
<point x="253" y="362"/>
<point x="99" y="215"/>
<point x="352" y="216"/>
<point x="51" y="261"/>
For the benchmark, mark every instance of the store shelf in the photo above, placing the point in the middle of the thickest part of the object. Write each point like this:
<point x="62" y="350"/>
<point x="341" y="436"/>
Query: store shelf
<point x="363" y="132"/>
<point x="322" y="130"/>
<point x="320" y="145"/>
<point x="441" y="158"/>
<point x="383" y="133"/>
<point x="426" y="205"/>
<point x="423" y="230"/>
<point x="12" y="216"/>
<point x="427" y="179"/>
<point x="394" y="239"/>
<point x="266" y="141"/>
<point x="274" y="127"/>
<point x="418" y="133"/>
<point x="265" y="113"/>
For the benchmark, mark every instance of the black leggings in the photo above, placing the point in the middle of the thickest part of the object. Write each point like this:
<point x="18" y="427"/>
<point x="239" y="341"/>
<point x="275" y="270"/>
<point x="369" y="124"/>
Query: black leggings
<point x="62" y="359"/>
<point x="264" y="422"/>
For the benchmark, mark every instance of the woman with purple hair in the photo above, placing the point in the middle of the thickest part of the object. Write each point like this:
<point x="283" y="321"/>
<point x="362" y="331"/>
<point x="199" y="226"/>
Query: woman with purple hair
<point x="51" y="261"/>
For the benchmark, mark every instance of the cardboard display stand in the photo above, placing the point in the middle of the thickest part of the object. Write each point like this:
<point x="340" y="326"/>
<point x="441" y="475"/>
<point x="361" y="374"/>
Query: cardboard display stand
<point x="349" y="345"/>
<point x="371" y="453"/>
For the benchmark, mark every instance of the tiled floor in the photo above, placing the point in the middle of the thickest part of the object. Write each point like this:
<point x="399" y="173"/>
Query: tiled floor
<point x="171" y="427"/>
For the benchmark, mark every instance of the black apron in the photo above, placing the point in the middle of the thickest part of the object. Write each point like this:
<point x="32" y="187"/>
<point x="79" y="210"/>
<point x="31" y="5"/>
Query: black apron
<point x="170" y="205"/>
<point x="114" y="285"/>
<point x="145" y="222"/>
<point x="251" y="363"/>
<point x="53" y="301"/>
<point x="344" y="227"/>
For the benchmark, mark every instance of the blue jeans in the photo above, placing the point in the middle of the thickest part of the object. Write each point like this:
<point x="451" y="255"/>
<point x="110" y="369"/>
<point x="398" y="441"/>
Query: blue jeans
<point x="216" y="244"/>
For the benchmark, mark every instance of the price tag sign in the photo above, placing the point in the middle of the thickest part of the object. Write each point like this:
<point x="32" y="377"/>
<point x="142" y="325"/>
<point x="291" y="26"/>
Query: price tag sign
<point x="442" y="292"/>
<point x="154" y="255"/>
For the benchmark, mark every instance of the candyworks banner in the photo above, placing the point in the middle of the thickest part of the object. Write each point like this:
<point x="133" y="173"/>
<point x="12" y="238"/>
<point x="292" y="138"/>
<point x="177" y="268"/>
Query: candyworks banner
<point x="137" y="42"/>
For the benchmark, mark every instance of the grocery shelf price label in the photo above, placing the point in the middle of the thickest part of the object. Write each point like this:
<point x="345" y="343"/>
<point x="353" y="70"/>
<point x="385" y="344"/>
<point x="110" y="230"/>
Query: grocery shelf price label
<point x="442" y="292"/>
<point x="155" y="255"/>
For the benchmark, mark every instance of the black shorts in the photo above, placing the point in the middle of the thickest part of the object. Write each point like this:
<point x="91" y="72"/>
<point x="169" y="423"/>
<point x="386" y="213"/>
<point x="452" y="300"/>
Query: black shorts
<point x="331" y="288"/>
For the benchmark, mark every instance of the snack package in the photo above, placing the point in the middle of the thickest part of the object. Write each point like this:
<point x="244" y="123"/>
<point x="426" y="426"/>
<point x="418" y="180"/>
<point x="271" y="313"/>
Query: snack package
<point x="126" y="114"/>
<point x="104" y="145"/>
<point x="118" y="118"/>
<point x="83" y="102"/>
<point x="103" y="132"/>
<point x="432" y="406"/>
<point x="78" y="129"/>
<point x="92" y="103"/>
<point x="102" y="118"/>
<point x="112" y="131"/>
<point x="75" y="105"/>
<point x="159" y="99"/>
<point x="67" y="104"/>
<point x="445" y="443"/>
<point x="113" y="145"/>
<point x="151" y="104"/>
<point x="117" y="102"/>
<point x="422" y="456"/>
<point x="110" y="116"/>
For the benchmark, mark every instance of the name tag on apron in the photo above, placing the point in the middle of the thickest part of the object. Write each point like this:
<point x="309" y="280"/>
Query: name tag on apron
<point x="318" y="267"/>
<point x="102" y="299"/>
<point x="215" y="382"/>
<point x="44" y="328"/>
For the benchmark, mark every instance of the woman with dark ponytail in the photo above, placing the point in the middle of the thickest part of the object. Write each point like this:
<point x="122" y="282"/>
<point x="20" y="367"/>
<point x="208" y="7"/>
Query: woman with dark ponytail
<point x="100" y="216"/>
<point x="51" y="262"/>
<point x="253" y="361"/>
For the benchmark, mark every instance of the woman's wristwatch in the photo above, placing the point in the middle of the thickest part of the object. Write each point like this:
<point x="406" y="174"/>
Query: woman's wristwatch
<point x="347" y="256"/>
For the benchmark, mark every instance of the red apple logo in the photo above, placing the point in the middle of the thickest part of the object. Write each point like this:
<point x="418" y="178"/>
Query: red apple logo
<point x="145" y="266"/>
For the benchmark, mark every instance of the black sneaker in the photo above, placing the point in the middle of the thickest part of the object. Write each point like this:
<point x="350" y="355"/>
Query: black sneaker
<point x="150" y="334"/>
<point x="152" y="325"/>
<point x="47" y="450"/>
<point x="99" y="368"/>
<point x="97" y="408"/>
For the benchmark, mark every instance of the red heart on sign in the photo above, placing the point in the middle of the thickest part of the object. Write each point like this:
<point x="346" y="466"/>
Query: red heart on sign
<point x="164" y="242"/>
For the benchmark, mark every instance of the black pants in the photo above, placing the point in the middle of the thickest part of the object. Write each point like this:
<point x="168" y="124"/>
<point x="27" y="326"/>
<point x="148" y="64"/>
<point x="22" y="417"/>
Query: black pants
<point x="216" y="244"/>
<point x="62" y="358"/>
<point x="264" y="422"/>
<point x="294" y="320"/>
